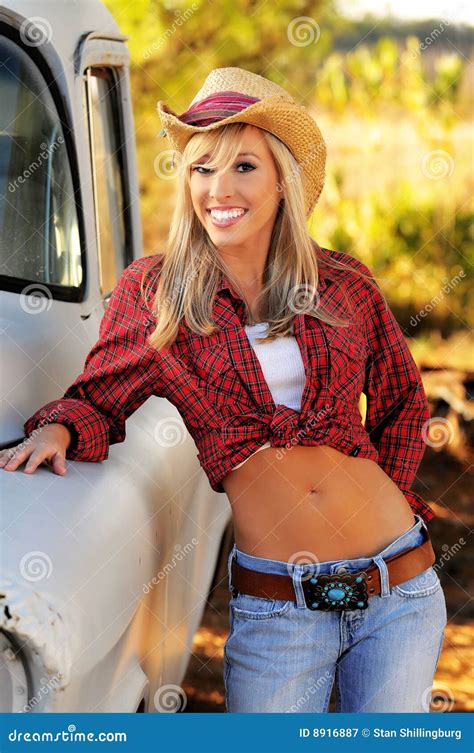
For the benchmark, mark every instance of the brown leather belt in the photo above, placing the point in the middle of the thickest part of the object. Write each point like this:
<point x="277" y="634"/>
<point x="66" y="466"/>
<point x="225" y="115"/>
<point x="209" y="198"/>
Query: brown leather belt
<point x="336" y="591"/>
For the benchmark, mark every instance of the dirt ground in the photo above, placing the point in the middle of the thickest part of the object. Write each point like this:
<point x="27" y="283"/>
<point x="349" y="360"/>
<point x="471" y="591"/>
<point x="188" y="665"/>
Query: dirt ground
<point x="450" y="483"/>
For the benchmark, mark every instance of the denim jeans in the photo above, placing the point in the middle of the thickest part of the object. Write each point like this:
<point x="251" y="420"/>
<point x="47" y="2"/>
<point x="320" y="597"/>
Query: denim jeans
<point x="281" y="656"/>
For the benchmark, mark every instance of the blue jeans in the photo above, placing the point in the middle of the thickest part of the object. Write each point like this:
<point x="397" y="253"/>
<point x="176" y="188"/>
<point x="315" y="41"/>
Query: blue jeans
<point x="281" y="656"/>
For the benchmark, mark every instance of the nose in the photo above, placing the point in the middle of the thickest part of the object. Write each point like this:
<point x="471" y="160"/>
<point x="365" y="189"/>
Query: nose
<point x="220" y="186"/>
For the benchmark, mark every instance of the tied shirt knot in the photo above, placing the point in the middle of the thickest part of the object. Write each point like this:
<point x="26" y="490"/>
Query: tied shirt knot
<point x="284" y="425"/>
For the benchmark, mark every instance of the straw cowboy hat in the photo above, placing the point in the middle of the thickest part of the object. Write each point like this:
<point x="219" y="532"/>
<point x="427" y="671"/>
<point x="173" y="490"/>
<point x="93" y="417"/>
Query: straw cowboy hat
<point x="234" y="95"/>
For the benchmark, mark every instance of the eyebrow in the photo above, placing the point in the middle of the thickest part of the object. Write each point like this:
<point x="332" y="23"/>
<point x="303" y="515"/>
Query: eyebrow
<point x="241" y="154"/>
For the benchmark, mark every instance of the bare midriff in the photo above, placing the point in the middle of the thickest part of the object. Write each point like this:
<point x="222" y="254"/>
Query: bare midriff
<point x="315" y="501"/>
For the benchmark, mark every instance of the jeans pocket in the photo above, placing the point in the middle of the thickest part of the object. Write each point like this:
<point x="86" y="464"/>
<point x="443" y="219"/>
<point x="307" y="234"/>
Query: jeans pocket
<point x="424" y="584"/>
<point x="247" y="607"/>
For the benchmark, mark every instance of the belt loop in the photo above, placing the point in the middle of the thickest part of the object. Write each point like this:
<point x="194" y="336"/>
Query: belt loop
<point x="229" y="566"/>
<point x="298" y="575"/>
<point x="384" y="576"/>
<point x="422" y="522"/>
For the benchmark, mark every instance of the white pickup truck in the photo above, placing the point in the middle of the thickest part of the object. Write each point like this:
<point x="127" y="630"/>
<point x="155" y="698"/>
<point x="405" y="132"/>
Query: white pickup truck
<point x="105" y="572"/>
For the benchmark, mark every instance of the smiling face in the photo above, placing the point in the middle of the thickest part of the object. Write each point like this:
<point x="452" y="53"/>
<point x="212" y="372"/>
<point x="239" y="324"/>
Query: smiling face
<point x="238" y="206"/>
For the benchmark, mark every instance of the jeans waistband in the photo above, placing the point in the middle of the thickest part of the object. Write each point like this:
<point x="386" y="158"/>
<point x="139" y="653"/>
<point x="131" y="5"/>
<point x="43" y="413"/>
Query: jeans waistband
<point x="415" y="535"/>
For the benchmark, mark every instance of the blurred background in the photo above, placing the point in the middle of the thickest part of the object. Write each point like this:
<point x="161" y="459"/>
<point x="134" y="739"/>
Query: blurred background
<point x="391" y="87"/>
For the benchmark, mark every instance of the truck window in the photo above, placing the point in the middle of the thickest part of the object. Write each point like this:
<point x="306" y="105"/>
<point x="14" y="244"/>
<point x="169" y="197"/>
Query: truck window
<point x="107" y="153"/>
<point x="39" y="235"/>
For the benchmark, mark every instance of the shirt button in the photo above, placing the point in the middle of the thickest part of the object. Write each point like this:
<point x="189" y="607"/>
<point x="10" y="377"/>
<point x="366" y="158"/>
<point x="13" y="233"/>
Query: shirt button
<point x="341" y="569"/>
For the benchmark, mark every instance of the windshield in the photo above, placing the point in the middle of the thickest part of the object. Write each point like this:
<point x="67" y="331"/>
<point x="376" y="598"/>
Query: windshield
<point x="39" y="238"/>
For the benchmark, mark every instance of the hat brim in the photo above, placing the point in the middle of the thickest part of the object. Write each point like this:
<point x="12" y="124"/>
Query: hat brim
<point x="288" y="121"/>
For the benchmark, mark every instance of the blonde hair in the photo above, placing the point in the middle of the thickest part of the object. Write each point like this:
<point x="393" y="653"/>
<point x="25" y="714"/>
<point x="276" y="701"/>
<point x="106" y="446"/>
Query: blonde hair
<point x="189" y="275"/>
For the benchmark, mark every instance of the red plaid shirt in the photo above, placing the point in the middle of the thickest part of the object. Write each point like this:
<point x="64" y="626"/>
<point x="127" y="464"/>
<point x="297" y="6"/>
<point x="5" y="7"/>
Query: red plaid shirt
<point x="217" y="385"/>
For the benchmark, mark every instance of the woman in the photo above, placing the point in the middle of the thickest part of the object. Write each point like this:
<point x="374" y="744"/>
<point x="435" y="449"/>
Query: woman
<point x="331" y="571"/>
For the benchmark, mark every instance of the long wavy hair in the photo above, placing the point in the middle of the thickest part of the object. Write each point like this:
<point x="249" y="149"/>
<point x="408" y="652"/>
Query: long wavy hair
<point x="186" y="283"/>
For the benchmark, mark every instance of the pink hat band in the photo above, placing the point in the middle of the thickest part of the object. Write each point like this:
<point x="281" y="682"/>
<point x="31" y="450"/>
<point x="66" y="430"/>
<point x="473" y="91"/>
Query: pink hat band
<point x="216" y="107"/>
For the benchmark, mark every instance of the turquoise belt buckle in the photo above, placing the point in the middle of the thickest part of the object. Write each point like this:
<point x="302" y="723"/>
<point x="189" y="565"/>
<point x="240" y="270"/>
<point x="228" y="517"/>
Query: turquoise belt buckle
<point x="336" y="592"/>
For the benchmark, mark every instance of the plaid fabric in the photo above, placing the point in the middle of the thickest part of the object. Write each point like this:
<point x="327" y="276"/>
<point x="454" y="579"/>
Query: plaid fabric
<point x="217" y="385"/>
<point x="216" y="107"/>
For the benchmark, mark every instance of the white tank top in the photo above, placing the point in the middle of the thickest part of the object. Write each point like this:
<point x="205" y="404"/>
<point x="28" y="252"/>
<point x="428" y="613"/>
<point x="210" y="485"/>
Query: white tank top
<point x="282" y="367"/>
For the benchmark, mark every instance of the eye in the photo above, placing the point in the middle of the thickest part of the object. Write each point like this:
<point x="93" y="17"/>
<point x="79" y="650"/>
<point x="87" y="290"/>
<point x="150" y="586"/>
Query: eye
<point x="248" y="164"/>
<point x="200" y="167"/>
<point x="208" y="170"/>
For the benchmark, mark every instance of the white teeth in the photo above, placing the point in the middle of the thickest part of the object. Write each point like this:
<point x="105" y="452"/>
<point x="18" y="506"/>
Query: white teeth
<point x="219" y="215"/>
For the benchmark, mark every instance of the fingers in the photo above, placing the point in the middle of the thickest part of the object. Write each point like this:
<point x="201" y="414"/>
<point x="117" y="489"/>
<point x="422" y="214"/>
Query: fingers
<point x="12" y="457"/>
<point x="59" y="464"/>
<point x="36" y="458"/>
